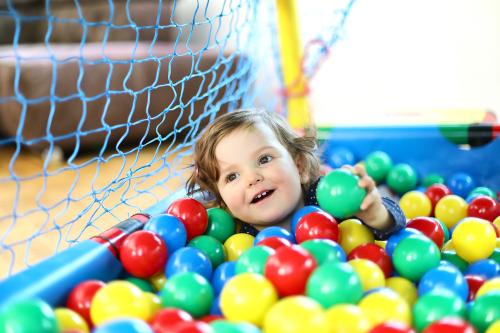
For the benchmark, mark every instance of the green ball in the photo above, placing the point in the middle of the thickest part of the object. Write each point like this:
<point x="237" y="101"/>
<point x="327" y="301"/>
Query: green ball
<point x="432" y="179"/>
<point x="188" y="291"/>
<point x="210" y="246"/>
<point x="452" y="257"/>
<point x="338" y="193"/>
<point x="142" y="284"/>
<point x="220" y="224"/>
<point x="485" y="191"/>
<point x="378" y="164"/>
<point x="402" y="178"/>
<point x="435" y="305"/>
<point x="27" y="316"/>
<point x="324" y="250"/>
<point x="253" y="260"/>
<point x="334" y="283"/>
<point x="485" y="310"/>
<point x="446" y="231"/>
<point x="414" y="256"/>
<point x="225" y="326"/>
<point x="496" y="255"/>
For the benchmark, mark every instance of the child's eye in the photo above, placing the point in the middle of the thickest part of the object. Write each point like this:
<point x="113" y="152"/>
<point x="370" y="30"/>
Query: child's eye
<point x="265" y="159"/>
<point x="230" y="177"/>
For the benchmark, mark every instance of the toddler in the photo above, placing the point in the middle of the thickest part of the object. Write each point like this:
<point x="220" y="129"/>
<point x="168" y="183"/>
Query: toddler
<point x="253" y="164"/>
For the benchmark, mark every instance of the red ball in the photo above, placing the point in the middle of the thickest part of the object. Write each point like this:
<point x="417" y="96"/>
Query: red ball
<point x="81" y="296"/>
<point x="192" y="214"/>
<point x="374" y="253"/>
<point x="484" y="207"/>
<point x="143" y="254"/>
<point x="197" y="326"/>
<point x="430" y="227"/>
<point x="288" y="269"/>
<point x="450" y="325"/>
<point x="275" y="242"/>
<point x="474" y="282"/>
<point x="317" y="225"/>
<point x="165" y="319"/>
<point x="392" y="327"/>
<point x="210" y="318"/>
<point x="435" y="192"/>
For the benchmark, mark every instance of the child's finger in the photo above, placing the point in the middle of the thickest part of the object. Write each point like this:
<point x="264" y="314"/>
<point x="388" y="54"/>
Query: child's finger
<point x="367" y="201"/>
<point x="367" y="182"/>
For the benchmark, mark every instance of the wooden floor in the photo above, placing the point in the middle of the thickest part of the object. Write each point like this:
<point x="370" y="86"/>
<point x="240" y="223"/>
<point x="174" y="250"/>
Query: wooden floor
<point x="45" y="207"/>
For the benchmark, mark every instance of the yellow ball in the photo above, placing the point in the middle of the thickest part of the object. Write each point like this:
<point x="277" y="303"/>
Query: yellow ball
<point x="247" y="297"/>
<point x="496" y="222"/>
<point x="474" y="239"/>
<point x="370" y="274"/>
<point x="353" y="233"/>
<point x="448" y="246"/>
<point x="404" y="288"/>
<point x="488" y="286"/>
<point x="347" y="318"/>
<point x="119" y="299"/>
<point x="296" y="314"/>
<point x="381" y="243"/>
<point x="450" y="209"/>
<point x="384" y="306"/>
<point x="158" y="280"/>
<point x="237" y="244"/>
<point x="415" y="204"/>
<point x="68" y="319"/>
<point x="154" y="302"/>
<point x="494" y="328"/>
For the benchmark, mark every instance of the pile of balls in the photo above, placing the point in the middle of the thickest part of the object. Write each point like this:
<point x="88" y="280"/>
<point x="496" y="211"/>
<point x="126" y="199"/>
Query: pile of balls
<point x="189" y="270"/>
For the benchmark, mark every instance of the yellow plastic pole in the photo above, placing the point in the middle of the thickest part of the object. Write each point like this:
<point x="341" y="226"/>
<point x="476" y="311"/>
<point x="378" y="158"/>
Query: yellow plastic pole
<point x="291" y="56"/>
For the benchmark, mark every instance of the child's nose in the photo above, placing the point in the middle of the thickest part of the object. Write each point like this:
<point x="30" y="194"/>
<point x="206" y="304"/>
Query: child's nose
<point x="254" y="178"/>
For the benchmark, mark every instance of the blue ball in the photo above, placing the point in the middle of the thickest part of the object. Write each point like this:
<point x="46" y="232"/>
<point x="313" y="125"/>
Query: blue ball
<point x="274" y="231"/>
<point x="336" y="157"/>
<point x="300" y="213"/>
<point x="222" y="274"/>
<point x="487" y="268"/>
<point x="395" y="238"/>
<point x="124" y="325"/>
<point x="461" y="184"/>
<point x="444" y="276"/>
<point x="189" y="259"/>
<point x="170" y="229"/>
<point x="215" y="309"/>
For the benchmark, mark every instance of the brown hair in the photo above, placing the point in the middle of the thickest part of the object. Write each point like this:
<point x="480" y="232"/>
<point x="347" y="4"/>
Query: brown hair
<point x="206" y="170"/>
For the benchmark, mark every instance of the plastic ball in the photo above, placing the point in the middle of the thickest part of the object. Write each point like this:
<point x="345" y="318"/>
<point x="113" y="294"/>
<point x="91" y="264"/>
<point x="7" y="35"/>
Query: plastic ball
<point x="119" y="299"/>
<point x="81" y="296"/>
<point x="451" y="257"/>
<point x="378" y="164"/>
<point x="474" y="239"/>
<point x="494" y="328"/>
<point x="253" y="260"/>
<point x="488" y="268"/>
<point x="170" y="229"/>
<point x="334" y="283"/>
<point x="196" y="326"/>
<point x="124" y="325"/>
<point x="485" y="310"/>
<point x="415" y="204"/>
<point x="336" y="157"/>
<point x="446" y="277"/>
<point x="370" y="274"/>
<point x="288" y="269"/>
<point x="166" y="318"/>
<point x="474" y="282"/>
<point x="397" y="237"/>
<point x="296" y="314"/>
<point x="142" y="284"/>
<point x="339" y="194"/>
<point x="222" y="274"/>
<point x="484" y="207"/>
<point x="404" y="288"/>
<point x="237" y="244"/>
<point x="68" y="319"/>
<point x="189" y="259"/>
<point x="27" y="316"/>
<point x="430" y="227"/>
<point x="461" y="184"/>
<point x="158" y="281"/>
<point x="317" y="225"/>
<point x="143" y="253"/>
<point x="225" y="326"/>
<point x="274" y="242"/>
<point x="212" y="248"/>
<point x="483" y="191"/>
<point x="324" y="251"/>
<point x="347" y="318"/>
<point x="192" y="214"/>
<point x="414" y="256"/>
<point x="402" y="178"/>
<point x="300" y="213"/>
<point x="274" y="231"/>
<point x="450" y="325"/>
<point x="354" y="233"/>
<point x="496" y="222"/>
<point x="436" y="192"/>
<point x="385" y="306"/>
<point x="432" y="179"/>
<point x="247" y="297"/>
<point x="188" y="291"/>
<point x="435" y="305"/>
<point x="374" y="253"/>
<point x="220" y="224"/>
<point x="450" y="209"/>
<point x="489" y="286"/>
<point x="392" y="327"/>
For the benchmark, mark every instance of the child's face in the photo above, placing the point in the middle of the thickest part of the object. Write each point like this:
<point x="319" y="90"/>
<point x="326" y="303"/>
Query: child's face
<point x="259" y="180"/>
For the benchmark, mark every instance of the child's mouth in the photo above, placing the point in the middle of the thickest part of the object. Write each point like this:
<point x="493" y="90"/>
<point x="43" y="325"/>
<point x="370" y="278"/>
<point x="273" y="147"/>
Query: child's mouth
<point x="261" y="196"/>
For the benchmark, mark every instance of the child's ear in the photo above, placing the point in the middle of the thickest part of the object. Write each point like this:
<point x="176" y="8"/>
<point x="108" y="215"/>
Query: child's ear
<point x="301" y="166"/>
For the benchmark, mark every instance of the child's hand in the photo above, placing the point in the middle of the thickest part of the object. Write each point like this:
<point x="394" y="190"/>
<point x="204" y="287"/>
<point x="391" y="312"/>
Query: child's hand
<point x="372" y="211"/>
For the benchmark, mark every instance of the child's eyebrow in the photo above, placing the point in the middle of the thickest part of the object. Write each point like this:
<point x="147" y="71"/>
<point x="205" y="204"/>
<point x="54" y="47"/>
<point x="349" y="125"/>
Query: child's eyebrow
<point x="232" y="166"/>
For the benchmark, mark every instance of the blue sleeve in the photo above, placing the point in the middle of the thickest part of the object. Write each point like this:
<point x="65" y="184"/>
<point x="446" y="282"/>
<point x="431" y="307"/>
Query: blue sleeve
<point x="398" y="217"/>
